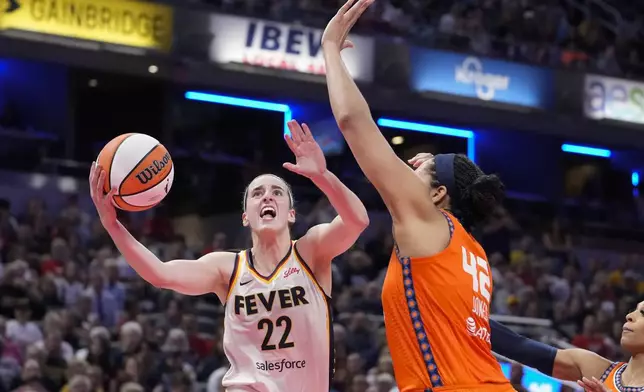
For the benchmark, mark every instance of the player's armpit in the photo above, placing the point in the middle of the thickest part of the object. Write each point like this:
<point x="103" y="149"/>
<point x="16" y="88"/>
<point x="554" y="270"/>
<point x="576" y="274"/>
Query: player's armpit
<point x="208" y="274"/>
<point x="575" y="363"/>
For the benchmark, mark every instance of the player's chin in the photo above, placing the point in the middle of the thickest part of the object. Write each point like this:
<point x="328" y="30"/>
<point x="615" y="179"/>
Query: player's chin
<point x="272" y="225"/>
<point x="632" y="342"/>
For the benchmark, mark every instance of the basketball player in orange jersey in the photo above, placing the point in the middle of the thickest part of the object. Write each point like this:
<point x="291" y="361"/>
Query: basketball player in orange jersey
<point x="590" y="370"/>
<point x="436" y="293"/>
<point x="277" y="324"/>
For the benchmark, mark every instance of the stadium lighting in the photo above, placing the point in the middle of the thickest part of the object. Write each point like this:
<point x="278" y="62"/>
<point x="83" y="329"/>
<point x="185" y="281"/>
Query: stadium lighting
<point x="244" y="102"/>
<point x="635" y="178"/>
<point x="584" y="150"/>
<point x="435" y="129"/>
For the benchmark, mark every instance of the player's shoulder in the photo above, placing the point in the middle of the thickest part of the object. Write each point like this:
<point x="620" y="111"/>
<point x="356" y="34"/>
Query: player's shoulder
<point x="220" y="256"/>
<point x="221" y="261"/>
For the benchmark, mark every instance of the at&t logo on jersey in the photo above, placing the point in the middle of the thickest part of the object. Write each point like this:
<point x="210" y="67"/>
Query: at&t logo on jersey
<point x="280" y="366"/>
<point x="477" y="331"/>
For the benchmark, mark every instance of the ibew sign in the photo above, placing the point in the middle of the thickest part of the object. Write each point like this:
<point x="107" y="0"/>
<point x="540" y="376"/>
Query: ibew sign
<point x="283" y="46"/>
<point x="485" y="84"/>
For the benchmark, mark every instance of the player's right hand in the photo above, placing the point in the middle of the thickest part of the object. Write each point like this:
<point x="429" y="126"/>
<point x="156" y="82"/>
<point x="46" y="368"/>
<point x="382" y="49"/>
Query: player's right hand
<point x="592" y="385"/>
<point x="103" y="203"/>
<point x="337" y="30"/>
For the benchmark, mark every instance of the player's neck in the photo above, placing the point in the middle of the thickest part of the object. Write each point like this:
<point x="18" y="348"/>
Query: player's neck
<point x="268" y="251"/>
<point x="633" y="375"/>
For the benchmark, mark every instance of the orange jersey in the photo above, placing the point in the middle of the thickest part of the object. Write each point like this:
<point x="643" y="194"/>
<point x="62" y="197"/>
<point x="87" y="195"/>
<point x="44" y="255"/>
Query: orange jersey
<point x="612" y="379"/>
<point x="436" y="317"/>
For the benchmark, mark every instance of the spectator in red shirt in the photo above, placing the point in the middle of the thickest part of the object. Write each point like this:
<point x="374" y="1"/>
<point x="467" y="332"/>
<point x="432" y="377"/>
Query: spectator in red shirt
<point x="58" y="258"/>
<point x="590" y="338"/>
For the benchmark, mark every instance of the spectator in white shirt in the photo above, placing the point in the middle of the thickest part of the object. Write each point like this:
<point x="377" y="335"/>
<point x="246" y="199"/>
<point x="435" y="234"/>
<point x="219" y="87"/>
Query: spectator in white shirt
<point x="21" y="330"/>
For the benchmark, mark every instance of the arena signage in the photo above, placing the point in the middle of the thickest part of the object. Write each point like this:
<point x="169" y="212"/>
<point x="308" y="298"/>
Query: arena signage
<point x="295" y="48"/>
<point x="614" y="99"/>
<point x="534" y="381"/>
<point x="480" y="78"/>
<point x="129" y="23"/>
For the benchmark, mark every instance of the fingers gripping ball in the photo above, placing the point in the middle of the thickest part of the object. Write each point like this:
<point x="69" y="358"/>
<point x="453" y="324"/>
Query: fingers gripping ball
<point x="139" y="168"/>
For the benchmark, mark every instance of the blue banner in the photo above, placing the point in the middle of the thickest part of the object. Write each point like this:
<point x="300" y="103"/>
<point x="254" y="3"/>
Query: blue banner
<point x="480" y="78"/>
<point x="534" y="381"/>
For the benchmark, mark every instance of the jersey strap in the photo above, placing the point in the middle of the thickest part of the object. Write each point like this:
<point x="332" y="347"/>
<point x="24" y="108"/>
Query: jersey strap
<point x="414" y="313"/>
<point x="608" y="371"/>
<point x="233" y="277"/>
<point x="618" y="380"/>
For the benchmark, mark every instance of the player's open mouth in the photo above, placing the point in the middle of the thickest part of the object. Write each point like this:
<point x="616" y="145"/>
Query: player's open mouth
<point x="268" y="213"/>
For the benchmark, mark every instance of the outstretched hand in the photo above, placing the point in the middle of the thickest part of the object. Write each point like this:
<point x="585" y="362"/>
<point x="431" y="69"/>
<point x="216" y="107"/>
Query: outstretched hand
<point x="309" y="158"/>
<point x="338" y="28"/>
<point x="103" y="202"/>
<point x="592" y="385"/>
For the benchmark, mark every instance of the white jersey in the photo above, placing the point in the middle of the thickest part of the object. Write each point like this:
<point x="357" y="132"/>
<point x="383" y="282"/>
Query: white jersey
<point x="277" y="329"/>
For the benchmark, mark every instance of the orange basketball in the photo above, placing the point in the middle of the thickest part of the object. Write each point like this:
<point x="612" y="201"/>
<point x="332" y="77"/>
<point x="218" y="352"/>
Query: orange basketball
<point x="139" y="168"/>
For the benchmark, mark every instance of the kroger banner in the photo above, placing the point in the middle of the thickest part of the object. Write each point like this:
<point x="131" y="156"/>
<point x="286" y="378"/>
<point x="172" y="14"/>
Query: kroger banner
<point x="614" y="99"/>
<point x="480" y="78"/>
<point x="283" y="46"/>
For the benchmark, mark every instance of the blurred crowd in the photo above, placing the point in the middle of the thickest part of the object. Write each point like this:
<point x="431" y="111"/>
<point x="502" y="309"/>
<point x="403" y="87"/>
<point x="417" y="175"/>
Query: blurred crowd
<point x="75" y="317"/>
<point x="579" y="35"/>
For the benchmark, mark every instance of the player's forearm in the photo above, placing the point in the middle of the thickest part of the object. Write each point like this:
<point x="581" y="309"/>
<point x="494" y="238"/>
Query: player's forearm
<point x="344" y="201"/>
<point x="522" y="349"/>
<point x="144" y="262"/>
<point x="348" y="105"/>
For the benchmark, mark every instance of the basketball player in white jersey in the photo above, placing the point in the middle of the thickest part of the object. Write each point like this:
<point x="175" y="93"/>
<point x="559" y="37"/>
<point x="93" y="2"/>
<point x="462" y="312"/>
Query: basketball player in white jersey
<point x="277" y="329"/>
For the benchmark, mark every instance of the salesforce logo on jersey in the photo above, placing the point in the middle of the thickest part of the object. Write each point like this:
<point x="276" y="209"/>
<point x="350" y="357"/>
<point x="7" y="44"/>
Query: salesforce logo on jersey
<point x="277" y="45"/>
<point x="614" y="99"/>
<point x="482" y="78"/>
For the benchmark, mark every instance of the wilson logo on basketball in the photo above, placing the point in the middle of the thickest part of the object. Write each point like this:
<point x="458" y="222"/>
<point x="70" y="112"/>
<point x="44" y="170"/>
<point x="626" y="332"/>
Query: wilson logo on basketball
<point x="155" y="168"/>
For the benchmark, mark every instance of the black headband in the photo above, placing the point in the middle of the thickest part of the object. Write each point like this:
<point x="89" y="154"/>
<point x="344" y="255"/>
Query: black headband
<point x="444" y="165"/>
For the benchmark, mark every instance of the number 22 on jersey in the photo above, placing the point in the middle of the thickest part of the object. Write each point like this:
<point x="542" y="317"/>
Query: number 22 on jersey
<point x="283" y="322"/>
<point x="477" y="268"/>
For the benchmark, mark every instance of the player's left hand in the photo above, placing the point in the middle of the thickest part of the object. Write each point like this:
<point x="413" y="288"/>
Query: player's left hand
<point x="592" y="385"/>
<point x="420" y="158"/>
<point x="309" y="158"/>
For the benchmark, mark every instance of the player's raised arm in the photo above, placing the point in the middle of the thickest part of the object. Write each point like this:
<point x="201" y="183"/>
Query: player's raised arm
<point x="210" y="273"/>
<point x="569" y="364"/>
<point x="325" y="241"/>
<point x="402" y="191"/>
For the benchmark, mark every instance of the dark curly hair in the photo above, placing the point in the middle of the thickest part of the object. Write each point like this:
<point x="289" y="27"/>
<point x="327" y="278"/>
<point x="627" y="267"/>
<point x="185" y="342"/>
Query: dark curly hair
<point x="474" y="195"/>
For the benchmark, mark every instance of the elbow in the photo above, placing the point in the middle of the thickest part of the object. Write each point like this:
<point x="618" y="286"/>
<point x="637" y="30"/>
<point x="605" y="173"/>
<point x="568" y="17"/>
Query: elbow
<point x="157" y="281"/>
<point x="363" y="221"/>
<point x="349" y="120"/>
<point x="158" y="278"/>
<point x="345" y="122"/>
<point x="360" y="222"/>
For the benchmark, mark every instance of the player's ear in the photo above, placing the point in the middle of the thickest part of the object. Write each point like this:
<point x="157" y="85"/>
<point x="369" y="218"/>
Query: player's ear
<point x="245" y="220"/>
<point x="291" y="216"/>
<point x="438" y="194"/>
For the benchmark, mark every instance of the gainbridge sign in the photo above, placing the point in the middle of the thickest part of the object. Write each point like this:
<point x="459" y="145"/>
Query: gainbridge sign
<point x="120" y="22"/>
